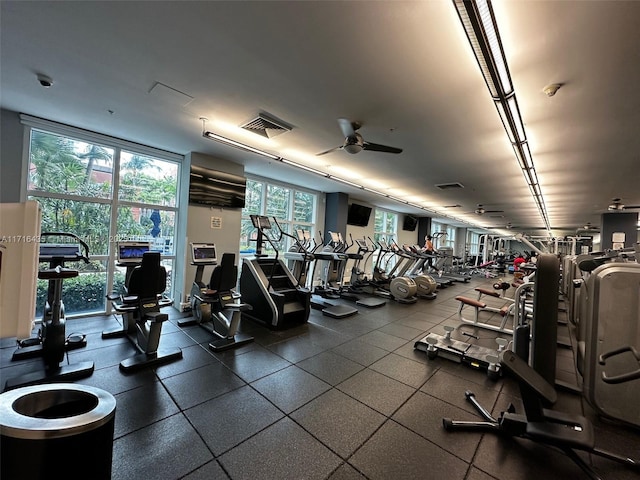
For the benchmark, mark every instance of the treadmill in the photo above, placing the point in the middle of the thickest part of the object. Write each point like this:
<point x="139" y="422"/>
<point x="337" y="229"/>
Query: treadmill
<point x="357" y="257"/>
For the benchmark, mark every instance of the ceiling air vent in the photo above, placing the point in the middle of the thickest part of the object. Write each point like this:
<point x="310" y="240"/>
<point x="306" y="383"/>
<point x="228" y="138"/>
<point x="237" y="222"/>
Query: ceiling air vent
<point x="266" y="126"/>
<point x="449" y="186"/>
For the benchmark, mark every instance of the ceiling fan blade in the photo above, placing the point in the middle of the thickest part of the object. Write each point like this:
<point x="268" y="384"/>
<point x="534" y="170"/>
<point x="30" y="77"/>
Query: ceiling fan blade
<point x="347" y="127"/>
<point x="374" y="147"/>
<point x="494" y="211"/>
<point x="627" y="207"/>
<point x="330" y="150"/>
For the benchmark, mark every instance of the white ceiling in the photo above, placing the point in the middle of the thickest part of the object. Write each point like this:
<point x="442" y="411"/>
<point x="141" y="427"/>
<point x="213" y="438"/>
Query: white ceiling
<point x="403" y="68"/>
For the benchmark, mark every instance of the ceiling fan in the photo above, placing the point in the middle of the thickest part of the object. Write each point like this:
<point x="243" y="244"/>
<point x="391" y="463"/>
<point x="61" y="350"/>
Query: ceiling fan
<point x="588" y="228"/>
<point x="481" y="210"/>
<point x="354" y="143"/>
<point x="617" y="205"/>
<point x="507" y="225"/>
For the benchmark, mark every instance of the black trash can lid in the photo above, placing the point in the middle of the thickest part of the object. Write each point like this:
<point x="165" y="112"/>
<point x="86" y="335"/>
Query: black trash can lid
<point x="54" y="410"/>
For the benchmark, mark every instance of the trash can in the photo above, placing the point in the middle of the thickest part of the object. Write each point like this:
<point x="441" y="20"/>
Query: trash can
<point x="58" y="430"/>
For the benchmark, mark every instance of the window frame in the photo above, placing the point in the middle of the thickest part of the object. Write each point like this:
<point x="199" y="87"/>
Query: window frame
<point x="115" y="203"/>
<point x="286" y="224"/>
<point x="388" y="261"/>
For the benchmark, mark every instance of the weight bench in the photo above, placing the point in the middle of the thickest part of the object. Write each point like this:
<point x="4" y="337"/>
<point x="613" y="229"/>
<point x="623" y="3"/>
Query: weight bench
<point x="564" y="431"/>
<point x="479" y="306"/>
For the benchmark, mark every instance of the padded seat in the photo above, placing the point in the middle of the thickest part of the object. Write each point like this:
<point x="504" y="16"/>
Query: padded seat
<point x="218" y="297"/>
<point x="565" y="431"/>
<point x="486" y="291"/>
<point x="142" y="305"/>
<point x="472" y="302"/>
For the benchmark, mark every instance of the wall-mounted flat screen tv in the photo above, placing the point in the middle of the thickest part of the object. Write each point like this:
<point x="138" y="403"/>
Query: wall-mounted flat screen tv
<point x="358" y="215"/>
<point x="410" y="223"/>
<point x="215" y="188"/>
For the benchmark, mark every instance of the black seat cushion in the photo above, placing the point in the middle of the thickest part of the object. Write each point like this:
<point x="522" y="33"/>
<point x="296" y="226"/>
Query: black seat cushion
<point x="149" y="279"/>
<point x="224" y="276"/>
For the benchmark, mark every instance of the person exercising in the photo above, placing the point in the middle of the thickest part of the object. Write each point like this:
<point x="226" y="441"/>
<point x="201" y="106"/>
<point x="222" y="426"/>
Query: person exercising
<point x="428" y="249"/>
<point x="519" y="260"/>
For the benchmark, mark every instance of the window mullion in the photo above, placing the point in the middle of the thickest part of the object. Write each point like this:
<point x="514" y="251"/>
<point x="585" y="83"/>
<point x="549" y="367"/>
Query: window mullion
<point x="113" y="225"/>
<point x="126" y="203"/>
<point x="67" y="196"/>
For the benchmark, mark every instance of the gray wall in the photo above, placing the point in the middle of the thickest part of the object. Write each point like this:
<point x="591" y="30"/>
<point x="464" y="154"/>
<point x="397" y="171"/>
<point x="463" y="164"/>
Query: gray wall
<point x="11" y="145"/>
<point x="335" y="219"/>
<point x="402" y="237"/>
<point x="619" y="222"/>
<point x="198" y="224"/>
<point x="461" y="242"/>
<point x="424" y="229"/>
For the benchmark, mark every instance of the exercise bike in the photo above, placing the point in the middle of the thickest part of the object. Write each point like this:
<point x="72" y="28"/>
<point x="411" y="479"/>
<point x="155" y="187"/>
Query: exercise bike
<point x="139" y="305"/>
<point x="52" y="342"/>
<point x="208" y="302"/>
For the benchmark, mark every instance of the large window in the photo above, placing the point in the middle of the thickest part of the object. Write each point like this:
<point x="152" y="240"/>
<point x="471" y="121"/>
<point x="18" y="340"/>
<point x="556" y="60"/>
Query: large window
<point x="102" y="192"/>
<point x="450" y="238"/>
<point x="385" y="228"/>
<point x="443" y="235"/>
<point x="294" y="210"/>
<point x="473" y="241"/>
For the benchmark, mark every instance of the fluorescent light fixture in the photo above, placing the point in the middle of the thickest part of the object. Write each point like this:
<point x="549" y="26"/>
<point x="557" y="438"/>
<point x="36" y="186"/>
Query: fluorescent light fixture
<point x="475" y="45"/>
<point x="376" y="184"/>
<point x="371" y="190"/>
<point x="524" y="160"/>
<point x="304" y="167"/>
<point x="398" y="192"/>
<point x="528" y="161"/>
<point x="344" y="172"/>
<point x="519" y="156"/>
<point x="505" y="120"/>
<point x="242" y="146"/>
<point x="479" y="23"/>
<point x="486" y="15"/>
<point x="239" y="131"/>
<point x="533" y="178"/>
<point x="477" y="20"/>
<point x="515" y="115"/>
<point x="293" y="153"/>
<point x="346" y="182"/>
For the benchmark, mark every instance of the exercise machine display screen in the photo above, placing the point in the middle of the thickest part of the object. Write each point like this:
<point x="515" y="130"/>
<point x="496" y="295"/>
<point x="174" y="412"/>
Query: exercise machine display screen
<point x="132" y="252"/>
<point x="49" y="251"/>
<point x="203" y="253"/>
<point x="261" y="221"/>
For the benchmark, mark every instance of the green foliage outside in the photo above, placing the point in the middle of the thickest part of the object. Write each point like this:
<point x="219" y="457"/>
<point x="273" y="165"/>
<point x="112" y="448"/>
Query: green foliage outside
<point x="76" y="180"/>
<point x="278" y="204"/>
<point x="84" y="293"/>
<point x="75" y="169"/>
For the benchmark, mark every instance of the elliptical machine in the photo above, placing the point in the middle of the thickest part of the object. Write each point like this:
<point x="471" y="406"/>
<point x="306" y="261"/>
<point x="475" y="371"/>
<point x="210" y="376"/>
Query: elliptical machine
<point x="426" y="286"/>
<point x="402" y="289"/>
<point x="52" y="342"/>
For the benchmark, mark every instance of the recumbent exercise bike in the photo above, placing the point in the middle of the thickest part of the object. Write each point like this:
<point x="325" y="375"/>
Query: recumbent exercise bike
<point x="208" y="302"/>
